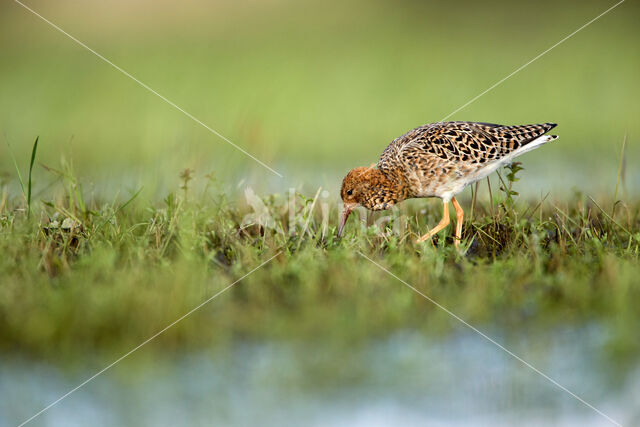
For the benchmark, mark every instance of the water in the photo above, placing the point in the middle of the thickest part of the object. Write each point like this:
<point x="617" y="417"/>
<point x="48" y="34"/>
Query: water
<point x="407" y="379"/>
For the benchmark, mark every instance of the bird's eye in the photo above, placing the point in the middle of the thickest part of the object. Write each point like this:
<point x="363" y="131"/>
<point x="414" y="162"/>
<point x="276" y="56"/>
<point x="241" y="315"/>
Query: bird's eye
<point x="349" y="192"/>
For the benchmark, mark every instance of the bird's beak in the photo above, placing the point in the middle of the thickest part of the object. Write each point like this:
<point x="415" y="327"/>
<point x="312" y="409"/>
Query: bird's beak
<point x="343" y="218"/>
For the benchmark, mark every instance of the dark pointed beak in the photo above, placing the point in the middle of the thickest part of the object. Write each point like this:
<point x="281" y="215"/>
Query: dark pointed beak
<point x="343" y="218"/>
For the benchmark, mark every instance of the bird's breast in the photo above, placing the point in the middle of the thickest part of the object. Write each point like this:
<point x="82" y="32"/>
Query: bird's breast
<point x="434" y="182"/>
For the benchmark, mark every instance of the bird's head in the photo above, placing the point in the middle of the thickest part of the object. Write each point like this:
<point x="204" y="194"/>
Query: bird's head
<point x="352" y="193"/>
<point x="366" y="186"/>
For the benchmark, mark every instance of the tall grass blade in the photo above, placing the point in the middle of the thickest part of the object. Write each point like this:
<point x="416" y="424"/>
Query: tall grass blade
<point x="33" y="159"/>
<point x="490" y="199"/>
<point x="17" y="169"/>
<point x="620" y="173"/>
<point x="474" y="195"/>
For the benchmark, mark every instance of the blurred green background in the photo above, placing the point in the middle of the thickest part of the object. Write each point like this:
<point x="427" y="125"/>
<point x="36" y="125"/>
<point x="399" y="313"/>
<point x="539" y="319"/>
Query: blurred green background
<point x="311" y="88"/>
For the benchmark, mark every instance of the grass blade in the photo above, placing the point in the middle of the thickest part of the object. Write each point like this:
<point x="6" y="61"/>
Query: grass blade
<point x="620" y="174"/>
<point x="33" y="158"/>
<point x="124" y="205"/>
<point x="610" y="218"/>
<point x="17" y="169"/>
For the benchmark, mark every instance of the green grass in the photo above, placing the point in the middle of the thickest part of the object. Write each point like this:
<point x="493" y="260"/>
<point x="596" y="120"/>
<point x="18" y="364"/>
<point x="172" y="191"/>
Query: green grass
<point x="87" y="275"/>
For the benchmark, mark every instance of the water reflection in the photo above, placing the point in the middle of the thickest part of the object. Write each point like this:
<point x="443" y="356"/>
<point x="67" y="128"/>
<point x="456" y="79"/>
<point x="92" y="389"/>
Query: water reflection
<point x="407" y="379"/>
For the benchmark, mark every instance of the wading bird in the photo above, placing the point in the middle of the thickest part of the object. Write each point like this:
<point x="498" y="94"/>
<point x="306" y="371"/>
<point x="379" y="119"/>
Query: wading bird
<point x="438" y="160"/>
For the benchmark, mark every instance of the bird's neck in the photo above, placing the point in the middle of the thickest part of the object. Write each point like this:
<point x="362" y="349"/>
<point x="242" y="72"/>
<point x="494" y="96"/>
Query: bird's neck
<point x="383" y="189"/>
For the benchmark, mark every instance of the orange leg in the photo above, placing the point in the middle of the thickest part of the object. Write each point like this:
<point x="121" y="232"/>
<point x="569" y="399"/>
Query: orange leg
<point x="442" y="224"/>
<point x="459" y="216"/>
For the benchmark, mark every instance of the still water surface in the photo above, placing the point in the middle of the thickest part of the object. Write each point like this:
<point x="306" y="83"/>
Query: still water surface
<point x="407" y="379"/>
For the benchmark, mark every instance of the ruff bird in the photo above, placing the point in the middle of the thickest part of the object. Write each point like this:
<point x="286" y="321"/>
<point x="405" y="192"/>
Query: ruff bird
<point x="438" y="160"/>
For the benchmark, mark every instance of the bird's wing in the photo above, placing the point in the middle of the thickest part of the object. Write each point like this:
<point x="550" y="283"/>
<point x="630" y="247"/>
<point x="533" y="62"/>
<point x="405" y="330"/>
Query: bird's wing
<point x="468" y="142"/>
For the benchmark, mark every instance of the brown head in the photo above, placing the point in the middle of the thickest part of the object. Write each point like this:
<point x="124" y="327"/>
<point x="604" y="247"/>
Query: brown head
<point x="370" y="188"/>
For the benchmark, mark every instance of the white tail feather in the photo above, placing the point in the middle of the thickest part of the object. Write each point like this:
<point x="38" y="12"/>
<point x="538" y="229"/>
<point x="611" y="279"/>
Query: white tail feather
<point x="530" y="146"/>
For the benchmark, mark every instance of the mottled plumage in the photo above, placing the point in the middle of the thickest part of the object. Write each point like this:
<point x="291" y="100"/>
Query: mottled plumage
<point x="438" y="160"/>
